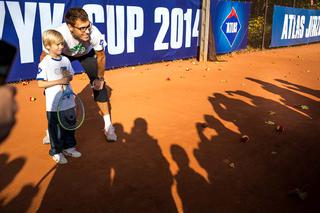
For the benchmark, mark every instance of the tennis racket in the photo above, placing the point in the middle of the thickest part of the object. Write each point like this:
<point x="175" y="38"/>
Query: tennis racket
<point x="70" y="109"/>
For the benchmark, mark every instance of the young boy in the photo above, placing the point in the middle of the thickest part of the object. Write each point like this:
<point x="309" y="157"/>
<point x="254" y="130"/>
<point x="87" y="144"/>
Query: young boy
<point x="54" y="72"/>
<point x="86" y="44"/>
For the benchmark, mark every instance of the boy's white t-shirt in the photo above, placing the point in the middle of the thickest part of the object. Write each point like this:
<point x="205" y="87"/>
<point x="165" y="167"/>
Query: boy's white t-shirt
<point x="76" y="48"/>
<point x="51" y="69"/>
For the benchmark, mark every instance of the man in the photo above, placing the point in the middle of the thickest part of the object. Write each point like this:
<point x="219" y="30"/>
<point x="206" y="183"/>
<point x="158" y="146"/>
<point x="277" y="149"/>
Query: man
<point x="85" y="43"/>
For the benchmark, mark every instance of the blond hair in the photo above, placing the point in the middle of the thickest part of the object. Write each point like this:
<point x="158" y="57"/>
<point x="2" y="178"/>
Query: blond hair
<point x="51" y="36"/>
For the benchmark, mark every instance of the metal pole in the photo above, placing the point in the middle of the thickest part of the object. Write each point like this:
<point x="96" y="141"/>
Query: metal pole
<point x="294" y="3"/>
<point x="265" y="23"/>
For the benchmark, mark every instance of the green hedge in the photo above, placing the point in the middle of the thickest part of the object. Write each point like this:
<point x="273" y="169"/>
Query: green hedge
<point x="255" y="31"/>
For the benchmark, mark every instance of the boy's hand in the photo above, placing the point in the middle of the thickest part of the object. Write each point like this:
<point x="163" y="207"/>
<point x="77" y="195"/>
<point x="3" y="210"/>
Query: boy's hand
<point x="66" y="74"/>
<point x="66" y="80"/>
<point x="98" y="84"/>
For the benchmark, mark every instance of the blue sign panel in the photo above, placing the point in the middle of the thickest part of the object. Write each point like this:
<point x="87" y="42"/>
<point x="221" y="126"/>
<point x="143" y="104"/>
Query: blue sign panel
<point x="294" y="26"/>
<point x="230" y="25"/>
<point x="136" y="32"/>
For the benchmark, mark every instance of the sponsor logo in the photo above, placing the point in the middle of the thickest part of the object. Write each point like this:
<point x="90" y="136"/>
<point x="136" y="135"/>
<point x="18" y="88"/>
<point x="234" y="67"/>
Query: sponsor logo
<point x="231" y="27"/>
<point x="78" y="49"/>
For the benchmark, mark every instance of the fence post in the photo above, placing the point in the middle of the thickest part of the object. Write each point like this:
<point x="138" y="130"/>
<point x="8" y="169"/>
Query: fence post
<point x="264" y="25"/>
<point x="204" y="32"/>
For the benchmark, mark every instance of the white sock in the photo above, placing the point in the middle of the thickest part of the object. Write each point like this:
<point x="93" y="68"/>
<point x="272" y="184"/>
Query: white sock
<point x="107" y="121"/>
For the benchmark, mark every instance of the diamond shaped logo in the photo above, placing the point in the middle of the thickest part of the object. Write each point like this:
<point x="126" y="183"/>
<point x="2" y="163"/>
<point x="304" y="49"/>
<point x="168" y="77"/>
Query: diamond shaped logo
<point x="231" y="26"/>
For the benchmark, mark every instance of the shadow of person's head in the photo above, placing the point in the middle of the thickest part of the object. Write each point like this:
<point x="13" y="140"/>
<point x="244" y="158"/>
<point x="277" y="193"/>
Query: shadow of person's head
<point x="140" y="126"/>
<point x="180" y="156"/>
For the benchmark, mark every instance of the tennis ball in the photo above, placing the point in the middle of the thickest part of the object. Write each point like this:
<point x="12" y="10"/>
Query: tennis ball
<point x="244" y="138"/>
<point x="32" y="98"/>
<point x="279" y="128"/>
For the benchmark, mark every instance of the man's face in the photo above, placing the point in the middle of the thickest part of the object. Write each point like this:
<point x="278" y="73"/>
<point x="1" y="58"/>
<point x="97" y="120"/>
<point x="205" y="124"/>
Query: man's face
<point x="81" y="30"/>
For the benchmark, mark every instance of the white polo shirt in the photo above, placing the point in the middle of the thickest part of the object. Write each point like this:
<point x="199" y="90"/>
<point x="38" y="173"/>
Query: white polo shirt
<point x="51" y="69"/>
<point x="76" y="48"/>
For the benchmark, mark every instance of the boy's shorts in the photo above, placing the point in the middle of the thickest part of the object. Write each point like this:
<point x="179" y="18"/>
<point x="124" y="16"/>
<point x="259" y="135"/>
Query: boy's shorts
<point x="90" y="65"/>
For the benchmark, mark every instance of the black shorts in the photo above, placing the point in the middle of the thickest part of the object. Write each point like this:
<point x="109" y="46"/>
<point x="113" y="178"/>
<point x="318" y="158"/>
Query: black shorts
<point x="90" y="64"/>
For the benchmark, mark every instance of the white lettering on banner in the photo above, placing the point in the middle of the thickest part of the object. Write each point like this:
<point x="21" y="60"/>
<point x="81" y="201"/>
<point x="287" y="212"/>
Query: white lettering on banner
<point x="115" y="26"/>
<point x="161" y="15"/>
<point x="96" y="10"/>
<point x="291" y="18"/>
<point x="24" y="28"/>
<point x="47" y="20"/>
<point x="232" y="27"/>
<point x="135" y="26"/>
<point x="300" y="26"/>
<point x="195" y="29"/>
<point x="284" y="34"/>
<point x="188" y="19"/>
<point x="318" y="26"/>
<point x="124" y="25"/>
<point x="313" y="29"/>
<point x="2" y="15"/>
<point x="293" y="26"/>
<point x="176" y="28"/>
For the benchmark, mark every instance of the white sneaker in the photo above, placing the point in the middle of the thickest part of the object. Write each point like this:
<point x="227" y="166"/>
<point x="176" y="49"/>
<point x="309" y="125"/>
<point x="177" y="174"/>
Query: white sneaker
<point x="60" y="158"/>
<point x="72" y="152"/>
<point x="110" y="134"/>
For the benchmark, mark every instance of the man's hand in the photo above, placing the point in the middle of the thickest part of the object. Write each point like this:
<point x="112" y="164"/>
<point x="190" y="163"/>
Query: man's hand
<point x="65" y="80"/>
<point x="67" y="75"/>
<point x="98" y="84"/>
<point x="8" y="109"/>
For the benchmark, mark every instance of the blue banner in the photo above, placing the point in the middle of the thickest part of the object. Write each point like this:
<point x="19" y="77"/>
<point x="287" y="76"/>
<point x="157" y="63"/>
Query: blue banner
<point x="136" y="32"/>
<point x="230" y="24"/>
<point x="294" y="26"/>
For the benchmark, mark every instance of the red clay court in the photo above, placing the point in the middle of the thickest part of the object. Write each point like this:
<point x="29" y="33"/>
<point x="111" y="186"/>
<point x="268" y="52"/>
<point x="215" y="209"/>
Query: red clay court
<point x="180" y="125"/>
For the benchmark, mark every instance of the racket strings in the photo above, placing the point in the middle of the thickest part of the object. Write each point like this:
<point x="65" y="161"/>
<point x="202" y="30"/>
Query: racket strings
<point x="70" y="118"/>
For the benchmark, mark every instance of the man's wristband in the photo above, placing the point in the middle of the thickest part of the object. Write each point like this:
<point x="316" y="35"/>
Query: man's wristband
<point x="101" y="78"/>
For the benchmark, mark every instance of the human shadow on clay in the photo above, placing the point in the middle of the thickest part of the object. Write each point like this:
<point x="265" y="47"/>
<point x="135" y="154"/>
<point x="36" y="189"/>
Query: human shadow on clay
<point x="129" y="175"/>
<point x="257" y="175"/>
<point x="9" y="170"/>
<point x="193" y="189"/>
<point x="291" y="98"/>
<point x="300" y="88"/>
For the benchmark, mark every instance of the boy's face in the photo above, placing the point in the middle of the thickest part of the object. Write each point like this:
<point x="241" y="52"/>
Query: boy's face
<point x="56" y="48"/>
<point x="81" y="30"/>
